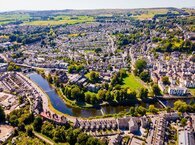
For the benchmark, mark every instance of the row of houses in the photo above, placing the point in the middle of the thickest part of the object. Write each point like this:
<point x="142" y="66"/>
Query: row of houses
<point x="132" y="124"/>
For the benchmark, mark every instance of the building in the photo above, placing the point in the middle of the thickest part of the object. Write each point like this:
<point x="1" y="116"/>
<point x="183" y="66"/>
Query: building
<point x="186" y="137"/>
<point x="178" y="91"/>
<point x="189" y="83"/>
<point x="3" y="67"/>
<point x="144" y="122"/>
<point x="133" y="125"/>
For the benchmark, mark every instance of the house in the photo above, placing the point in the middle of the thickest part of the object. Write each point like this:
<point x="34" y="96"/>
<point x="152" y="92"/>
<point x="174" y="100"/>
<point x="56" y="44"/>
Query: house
<point x="154" y="77"/>
<point x="144" y="122"/>
<point x="93" y="87"/>
<point x="189" y="83"/>
<point x="3" y="67"/>
<point x="123" y="123"/>
<point x="133" y="125"/>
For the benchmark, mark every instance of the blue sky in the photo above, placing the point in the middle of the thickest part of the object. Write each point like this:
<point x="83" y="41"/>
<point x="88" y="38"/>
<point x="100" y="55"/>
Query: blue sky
<point x="7" y="5"/>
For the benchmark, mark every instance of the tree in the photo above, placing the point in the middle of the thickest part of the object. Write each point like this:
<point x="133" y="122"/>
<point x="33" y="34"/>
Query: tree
<point x="132" y="111"/>
<point x="93" y="141"/>
<point x="94" y="77"/>
<point x="183" y="122"/>
<point x="21" y="126"/>
<point x="47" y="129"/>
<point x="97" y="50"/>
<point x="13" y="119"/>
<point x="59" y="134"/>
<point x="71" y="68"/>
<point x="145" y="76"/>
<point x="29" y="131"/>
<point x="152" y="109"/>
<point x="180" y="106"/>
<point x="79" y="68"/>
<point x="143" y="93"/>
<point x="87" y="97"/>
<point x="101" y="94"/>
<point x="20" y="98"/>
<point x="13" y="67"/>
<point x="140" y="65"/>
<point x="141" y="110"/>
<point x="82" y="138"/>
<point x="109" y="97"/>
<point x="156" y="90"/>
<point x="37" y="124"/>
<point x="165" y="80"/>
<point x="2" y="114"/>
<point x="50" y="80"/>
<point x="70" y="136"/>
<point x="117" y="95"/>
<point x="94" y="99"/>
<point x="75" y="92"/>
<point x="168" y="109"/>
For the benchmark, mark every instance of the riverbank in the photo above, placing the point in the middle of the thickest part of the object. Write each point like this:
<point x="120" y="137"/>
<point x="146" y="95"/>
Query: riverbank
<point x="47" y="105"/>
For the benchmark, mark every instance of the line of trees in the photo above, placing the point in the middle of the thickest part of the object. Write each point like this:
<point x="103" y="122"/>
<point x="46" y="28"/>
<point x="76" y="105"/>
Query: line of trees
<point x="74" y="92"/>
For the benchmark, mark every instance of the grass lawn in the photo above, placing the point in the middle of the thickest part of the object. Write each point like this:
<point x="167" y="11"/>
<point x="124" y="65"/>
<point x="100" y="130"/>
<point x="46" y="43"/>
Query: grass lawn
<point x="177" y="44"/>
<point x="132" y="82"/>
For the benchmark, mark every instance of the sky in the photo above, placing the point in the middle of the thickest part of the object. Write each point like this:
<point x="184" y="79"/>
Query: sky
<point x="9" y="5"/>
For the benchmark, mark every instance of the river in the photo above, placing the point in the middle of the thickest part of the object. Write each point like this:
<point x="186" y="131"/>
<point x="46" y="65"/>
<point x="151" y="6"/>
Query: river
<point x="60" y="105"/>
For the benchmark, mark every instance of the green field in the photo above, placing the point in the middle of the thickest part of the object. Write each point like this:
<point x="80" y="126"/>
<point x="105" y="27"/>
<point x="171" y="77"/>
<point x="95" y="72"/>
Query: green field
<point x="8" y="18"/>
<point x="58" y="20"/>
<point x="54" y="20"/>
<point x="148" y="14"/>
<point x="133" y="82"/>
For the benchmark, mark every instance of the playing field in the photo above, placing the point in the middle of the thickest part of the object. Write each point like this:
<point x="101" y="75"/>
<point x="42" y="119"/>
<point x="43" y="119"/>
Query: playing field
<point x="132" y="82"/>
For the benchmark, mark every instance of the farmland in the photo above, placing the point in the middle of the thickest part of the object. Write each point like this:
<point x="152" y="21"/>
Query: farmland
<point x="59" y="20"/>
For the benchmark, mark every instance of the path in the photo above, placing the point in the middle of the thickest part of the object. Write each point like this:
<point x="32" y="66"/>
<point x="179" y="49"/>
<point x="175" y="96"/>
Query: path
<point x="43" y="138"/>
